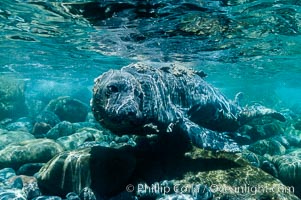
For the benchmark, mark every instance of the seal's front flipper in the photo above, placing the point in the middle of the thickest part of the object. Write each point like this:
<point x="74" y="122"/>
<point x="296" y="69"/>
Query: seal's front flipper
<point x="256" y="111"/>
<point x="208" y="139"/>
<point x="278" y="116"/>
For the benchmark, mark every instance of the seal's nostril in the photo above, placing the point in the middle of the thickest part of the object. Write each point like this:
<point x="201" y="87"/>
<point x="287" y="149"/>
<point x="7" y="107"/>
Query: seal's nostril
<point x="131" y="113"/>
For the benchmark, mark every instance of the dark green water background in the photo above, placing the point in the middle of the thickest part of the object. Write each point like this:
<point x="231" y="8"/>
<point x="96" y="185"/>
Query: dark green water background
<point x="243" y="45"/>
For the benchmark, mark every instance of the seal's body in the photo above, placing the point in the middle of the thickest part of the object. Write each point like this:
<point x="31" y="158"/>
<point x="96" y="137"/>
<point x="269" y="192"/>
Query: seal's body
<point x="140" y="99"/>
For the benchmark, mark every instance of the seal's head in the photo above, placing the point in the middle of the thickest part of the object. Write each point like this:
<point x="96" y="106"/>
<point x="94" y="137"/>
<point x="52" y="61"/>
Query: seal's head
<point x="117" y="101"/>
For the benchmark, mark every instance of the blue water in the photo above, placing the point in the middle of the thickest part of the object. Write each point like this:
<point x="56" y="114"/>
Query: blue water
<point x="59" y="47"/>
<point x="243" y="45"/>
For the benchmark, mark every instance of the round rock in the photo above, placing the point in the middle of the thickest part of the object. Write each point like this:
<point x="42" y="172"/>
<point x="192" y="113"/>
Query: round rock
<point x="68" y="109"/>
<point x="29" y="151"/>
<point x="8" y="137"/>
<point x="44" y="122"/>
<point x="289" y="169"/>
<point x="12" y="98"/>
<point x="104" y="170"/>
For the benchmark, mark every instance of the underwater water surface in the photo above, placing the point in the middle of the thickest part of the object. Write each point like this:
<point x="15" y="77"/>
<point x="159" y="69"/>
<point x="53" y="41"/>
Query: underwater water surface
<point x="49" y="50"/>
<point x="237" y="43"/>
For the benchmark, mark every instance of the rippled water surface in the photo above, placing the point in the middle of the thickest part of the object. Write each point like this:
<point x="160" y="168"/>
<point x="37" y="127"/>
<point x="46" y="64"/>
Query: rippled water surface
<point x="243" y="45"/>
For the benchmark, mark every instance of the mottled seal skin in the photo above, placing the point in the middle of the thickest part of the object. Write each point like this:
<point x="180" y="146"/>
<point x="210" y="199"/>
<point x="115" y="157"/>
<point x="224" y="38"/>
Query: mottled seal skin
<point x="141" y="99"/>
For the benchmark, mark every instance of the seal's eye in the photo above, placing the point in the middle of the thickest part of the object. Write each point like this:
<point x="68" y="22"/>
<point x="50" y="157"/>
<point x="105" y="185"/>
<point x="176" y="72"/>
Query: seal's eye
<point x="111" y="89"/>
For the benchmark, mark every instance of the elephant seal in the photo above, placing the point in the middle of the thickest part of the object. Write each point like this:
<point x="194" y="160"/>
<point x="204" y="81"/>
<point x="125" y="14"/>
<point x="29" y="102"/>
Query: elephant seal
<point x="141" y="99"/>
